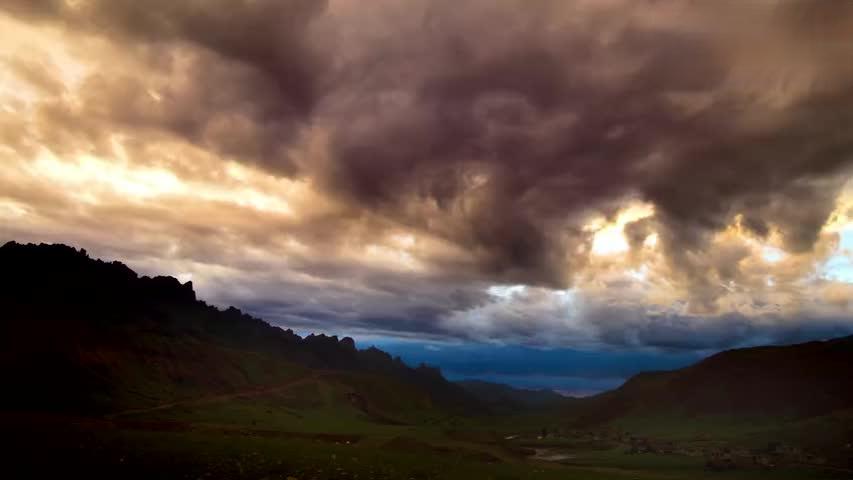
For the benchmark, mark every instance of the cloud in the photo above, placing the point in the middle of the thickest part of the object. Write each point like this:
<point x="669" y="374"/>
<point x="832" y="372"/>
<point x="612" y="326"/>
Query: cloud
<point x="240" y="78"/>
<point x="383" y="168"/>
<point x="502" y="140"/>
<point x="546" y="318"/>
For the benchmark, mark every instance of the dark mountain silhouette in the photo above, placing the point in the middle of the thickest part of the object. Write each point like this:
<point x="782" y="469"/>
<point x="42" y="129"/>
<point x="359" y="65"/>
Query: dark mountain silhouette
<point x="794" y="381"/>
<point x="505" y="399"/>
<point x="79" y="334"/>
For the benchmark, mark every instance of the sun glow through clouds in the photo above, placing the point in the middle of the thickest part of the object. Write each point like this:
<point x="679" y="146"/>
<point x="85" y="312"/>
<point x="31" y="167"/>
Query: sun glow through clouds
<point x="772" y="255"/>
<point x="609" y="238"/>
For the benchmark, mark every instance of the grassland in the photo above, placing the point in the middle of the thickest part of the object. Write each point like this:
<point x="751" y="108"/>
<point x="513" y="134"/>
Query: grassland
<point x="339" y="426"/>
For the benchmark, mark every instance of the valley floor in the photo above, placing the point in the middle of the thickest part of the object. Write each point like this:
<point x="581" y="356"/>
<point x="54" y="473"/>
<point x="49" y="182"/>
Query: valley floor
<point x="262" y="434"/>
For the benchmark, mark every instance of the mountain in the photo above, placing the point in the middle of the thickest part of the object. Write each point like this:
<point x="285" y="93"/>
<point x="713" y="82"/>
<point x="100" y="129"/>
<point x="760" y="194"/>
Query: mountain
<point x="83" y="335"/>
<point x="505" y="399"/>
<point x="794" y="381"/>
<point x="114" y="375"/>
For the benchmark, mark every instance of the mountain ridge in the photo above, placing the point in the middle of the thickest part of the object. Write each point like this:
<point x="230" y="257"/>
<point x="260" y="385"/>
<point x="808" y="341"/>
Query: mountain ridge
<point x="800" y="380"/>
<point x="83" y="333"/>
<point x="505" y="399"/>
<point x="85" y="325"/>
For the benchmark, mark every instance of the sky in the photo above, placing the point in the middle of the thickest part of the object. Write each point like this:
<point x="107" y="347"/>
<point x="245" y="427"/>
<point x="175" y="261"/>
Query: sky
<point x="659" y="178"/>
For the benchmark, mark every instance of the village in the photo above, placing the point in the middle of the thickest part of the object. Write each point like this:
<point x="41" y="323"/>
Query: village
<point x="567" y="445"/>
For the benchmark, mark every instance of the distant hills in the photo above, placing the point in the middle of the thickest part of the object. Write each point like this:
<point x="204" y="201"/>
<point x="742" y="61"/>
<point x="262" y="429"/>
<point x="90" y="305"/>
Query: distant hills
<point x="795" y="381"/>
<point x="507" y="400"/>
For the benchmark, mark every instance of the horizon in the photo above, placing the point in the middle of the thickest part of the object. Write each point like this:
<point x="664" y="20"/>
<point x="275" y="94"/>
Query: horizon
<point x="586" y="373"/>
<point x="568" y="372"/>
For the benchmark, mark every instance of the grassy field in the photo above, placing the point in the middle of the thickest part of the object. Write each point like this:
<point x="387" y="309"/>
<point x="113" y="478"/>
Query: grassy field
<point x="322" y="427"/>
<point x="175" y="450"/>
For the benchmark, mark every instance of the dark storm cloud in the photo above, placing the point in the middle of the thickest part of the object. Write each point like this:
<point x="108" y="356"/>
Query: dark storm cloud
<point x="551" y="321"/>
<point x="682" y="333"/>
<point x="408" y="306"/>
<point x="496" y="139"/>
<point x="562" y="122"/>
<point x="548" y="138"/>
<point x="491" y="132"/>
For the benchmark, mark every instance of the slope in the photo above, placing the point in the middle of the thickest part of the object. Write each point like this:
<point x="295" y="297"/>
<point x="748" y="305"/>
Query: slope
<point x="796" y="381"/>
<point x="83" y="335"/>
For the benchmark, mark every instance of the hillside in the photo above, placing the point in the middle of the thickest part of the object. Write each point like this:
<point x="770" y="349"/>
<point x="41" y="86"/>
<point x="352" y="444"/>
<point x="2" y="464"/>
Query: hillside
<point x="794" y="381"/>
<point x="505" y="399"/>
<point x="83" y="335"/>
